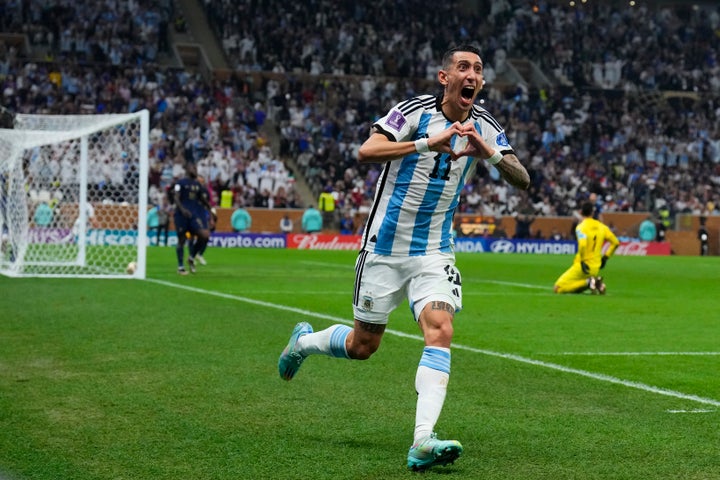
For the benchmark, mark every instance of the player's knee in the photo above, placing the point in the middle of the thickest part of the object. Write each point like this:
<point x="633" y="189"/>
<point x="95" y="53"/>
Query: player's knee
<point x="437" y="326"/>
<point x="445" y="331"/>
<point x="438" y="334"/>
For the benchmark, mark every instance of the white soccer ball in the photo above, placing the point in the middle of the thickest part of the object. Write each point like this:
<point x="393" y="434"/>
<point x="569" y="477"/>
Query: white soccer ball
<point x="132" y="266"/>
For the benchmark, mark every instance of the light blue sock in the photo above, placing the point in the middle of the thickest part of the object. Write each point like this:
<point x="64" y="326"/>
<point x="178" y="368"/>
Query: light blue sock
<point x="431" y="381"/>
<point x="330" y="341"/>
<point x="437" y="358"/>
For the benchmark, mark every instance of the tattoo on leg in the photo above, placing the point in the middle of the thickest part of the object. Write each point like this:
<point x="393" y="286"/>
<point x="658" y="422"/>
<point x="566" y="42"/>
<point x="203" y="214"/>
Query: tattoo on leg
<point x="371" y="327"/>
<point x="436" y="305"/>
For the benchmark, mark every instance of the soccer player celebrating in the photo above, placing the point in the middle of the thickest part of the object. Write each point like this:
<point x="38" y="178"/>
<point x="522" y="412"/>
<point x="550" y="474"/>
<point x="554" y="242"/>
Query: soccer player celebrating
<point x="191" y="216"/>
<point x="591" y="256"/>
<point x="430" y="146"/>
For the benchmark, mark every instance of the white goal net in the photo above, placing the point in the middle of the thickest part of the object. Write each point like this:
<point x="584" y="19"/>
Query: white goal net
<point x="73" y="196"/>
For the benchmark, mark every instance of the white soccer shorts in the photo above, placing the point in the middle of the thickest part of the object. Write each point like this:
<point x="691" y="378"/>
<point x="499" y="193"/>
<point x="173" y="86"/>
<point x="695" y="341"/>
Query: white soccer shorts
<point x="382" y="282"/>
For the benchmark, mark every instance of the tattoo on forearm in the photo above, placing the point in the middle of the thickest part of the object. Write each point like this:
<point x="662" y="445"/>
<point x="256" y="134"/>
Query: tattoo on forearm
<point x="436" y="305"/>
<point x="513" y="172"/>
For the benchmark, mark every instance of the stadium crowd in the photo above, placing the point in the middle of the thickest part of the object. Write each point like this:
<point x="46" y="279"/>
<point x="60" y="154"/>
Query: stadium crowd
<point x="608" y="127"/>
<point x="111" y="31"/>
<point x="602" y="44"/>
<point x="611" y="132"/>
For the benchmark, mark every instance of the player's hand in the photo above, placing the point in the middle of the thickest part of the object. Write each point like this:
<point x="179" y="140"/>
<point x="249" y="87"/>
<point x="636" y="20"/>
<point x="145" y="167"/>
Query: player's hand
<point x="442" y="142"/>
<point x="186" y="213"/>
<point x="476" y="145"/>
<point x="585" y="268"/>
<point x="603" y="261"/>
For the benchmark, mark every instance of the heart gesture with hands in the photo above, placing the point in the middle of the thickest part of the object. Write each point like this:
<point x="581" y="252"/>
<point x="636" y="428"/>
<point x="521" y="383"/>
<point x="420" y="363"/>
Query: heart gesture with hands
<point x="442" y="142"/>
<point x="475" y="145"/>
<point x="469" y="142"/>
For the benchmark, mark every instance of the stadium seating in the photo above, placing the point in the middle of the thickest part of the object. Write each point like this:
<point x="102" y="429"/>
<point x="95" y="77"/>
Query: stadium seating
<point x="627" y="110"/>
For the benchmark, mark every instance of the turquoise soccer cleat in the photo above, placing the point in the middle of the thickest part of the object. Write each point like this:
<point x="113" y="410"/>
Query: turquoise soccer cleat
<point x="290" y="361"/>
<point x="432" y="451"/>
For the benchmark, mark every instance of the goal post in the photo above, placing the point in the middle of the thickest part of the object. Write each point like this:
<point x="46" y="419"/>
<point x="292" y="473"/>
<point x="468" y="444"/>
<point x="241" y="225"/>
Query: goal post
<point x="74" y="195"/>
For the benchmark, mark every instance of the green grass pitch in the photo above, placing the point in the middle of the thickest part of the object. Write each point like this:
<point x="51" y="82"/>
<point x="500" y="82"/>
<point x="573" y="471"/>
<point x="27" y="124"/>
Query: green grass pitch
<point x="176" y="377"/>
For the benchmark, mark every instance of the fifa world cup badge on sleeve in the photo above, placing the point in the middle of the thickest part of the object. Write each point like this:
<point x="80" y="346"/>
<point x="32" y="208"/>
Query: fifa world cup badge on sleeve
<point x="502" y="140"/>
<point x="395" y="120"/>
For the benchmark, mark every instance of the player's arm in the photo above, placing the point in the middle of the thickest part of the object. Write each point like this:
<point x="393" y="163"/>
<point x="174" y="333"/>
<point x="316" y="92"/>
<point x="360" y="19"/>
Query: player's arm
<point x="613" y="242"/>
<point x="582" y="249"/>
<point x="205" y="202"/>
<point x="513" y="172"/>
<point x="506" y="162"/>
<point x="380" y="148"/>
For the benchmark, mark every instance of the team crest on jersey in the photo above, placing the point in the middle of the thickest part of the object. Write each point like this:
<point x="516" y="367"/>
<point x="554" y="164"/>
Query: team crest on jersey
<point x="396" y="120"/>
<point x="502" y="140"/>
<point x="367" y="304"/>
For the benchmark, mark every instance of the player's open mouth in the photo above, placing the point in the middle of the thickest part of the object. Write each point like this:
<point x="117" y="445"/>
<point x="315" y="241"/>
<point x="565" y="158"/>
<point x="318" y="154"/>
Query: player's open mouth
<point x="467" y="92"/>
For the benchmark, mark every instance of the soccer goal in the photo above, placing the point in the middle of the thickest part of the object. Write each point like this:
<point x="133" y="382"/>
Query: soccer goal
<point x="73" y="196"/>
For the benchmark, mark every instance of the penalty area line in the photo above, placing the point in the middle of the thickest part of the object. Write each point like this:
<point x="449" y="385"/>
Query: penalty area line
<point x="491" y="353"/>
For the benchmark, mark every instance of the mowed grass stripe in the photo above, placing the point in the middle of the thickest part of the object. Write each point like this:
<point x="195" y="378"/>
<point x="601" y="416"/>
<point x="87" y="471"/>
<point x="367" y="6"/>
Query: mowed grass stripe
<point x="507" y="356"/>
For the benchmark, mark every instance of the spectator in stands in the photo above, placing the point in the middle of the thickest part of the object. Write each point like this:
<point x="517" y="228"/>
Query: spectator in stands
<point x="312" y="220"/>
<point x="158" y="220"/>
<point x="663" y="223"/>
<point x="347" y="223"/>
<point x="617" y="141"/>
<point x="703" y="237"/>
<point x="286" y="224"/>
<point x="240" y="220"/>
<point x="164" y="212"/>
<point x="523" y="220"/>
<point x="326" y="205"/>
<point x="647" y="231"/>
<point x="91" y="222"/>
<point x="43" y="215"/>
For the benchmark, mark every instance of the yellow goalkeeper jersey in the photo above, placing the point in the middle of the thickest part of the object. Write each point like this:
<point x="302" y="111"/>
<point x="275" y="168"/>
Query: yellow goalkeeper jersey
<point x="592" y="235"/>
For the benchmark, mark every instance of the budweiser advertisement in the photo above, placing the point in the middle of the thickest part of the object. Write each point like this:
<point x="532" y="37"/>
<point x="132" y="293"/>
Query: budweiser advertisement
<point x="644" y="248"/>
<point x="323" y="241"/>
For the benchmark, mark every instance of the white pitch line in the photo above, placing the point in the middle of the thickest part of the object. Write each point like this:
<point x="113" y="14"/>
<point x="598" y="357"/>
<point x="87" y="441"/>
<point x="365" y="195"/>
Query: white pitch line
<point x="334" y="266"/>
<point x="636" y="354"/>
<point x="507" y="356"/>
<point x="694" y="410"/>
<point x="516" y="284"/>
<point x="497" y="282"/>
<point x="348" y="293"/>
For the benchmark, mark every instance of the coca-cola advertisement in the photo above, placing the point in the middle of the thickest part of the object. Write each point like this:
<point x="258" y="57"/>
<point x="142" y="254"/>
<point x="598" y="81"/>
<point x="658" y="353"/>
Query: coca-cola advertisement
<point x="643" y="248"/>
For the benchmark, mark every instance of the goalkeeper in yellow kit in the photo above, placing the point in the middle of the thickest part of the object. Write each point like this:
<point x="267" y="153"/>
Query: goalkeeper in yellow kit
<point x="592" y="236"/>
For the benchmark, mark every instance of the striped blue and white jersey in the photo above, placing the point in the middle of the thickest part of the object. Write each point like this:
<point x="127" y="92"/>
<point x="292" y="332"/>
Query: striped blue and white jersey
<point x="416" y="195"/>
